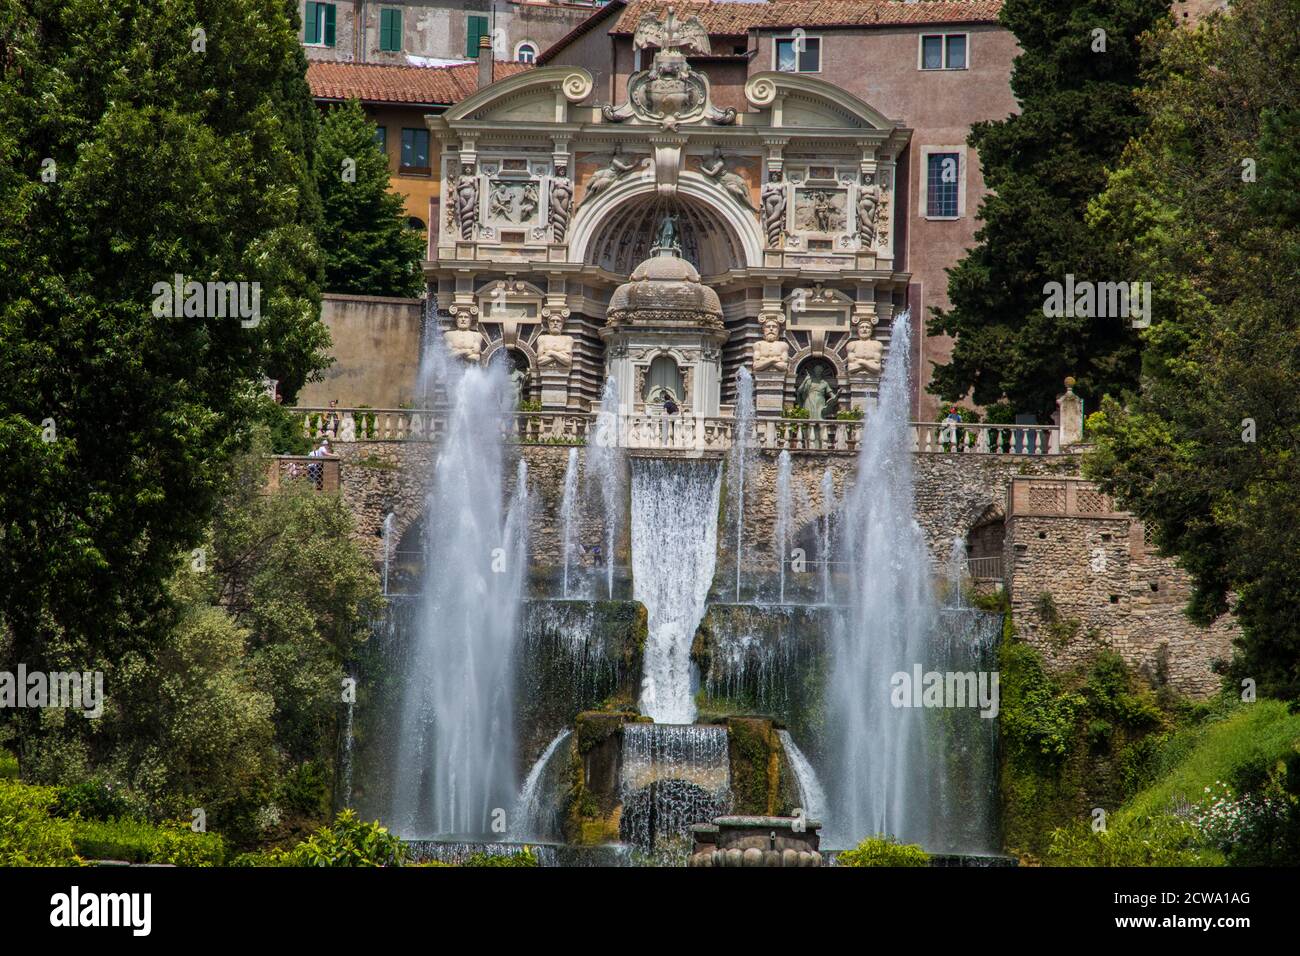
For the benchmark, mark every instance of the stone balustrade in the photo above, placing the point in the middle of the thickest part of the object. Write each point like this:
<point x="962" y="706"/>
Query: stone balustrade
<point x="685" y="432"/>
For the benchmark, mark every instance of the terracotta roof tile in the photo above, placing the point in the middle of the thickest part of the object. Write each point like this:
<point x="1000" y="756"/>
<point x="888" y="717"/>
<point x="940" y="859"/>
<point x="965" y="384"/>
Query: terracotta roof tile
<point x="736" y="19"/>
<point x="384" y="83"/>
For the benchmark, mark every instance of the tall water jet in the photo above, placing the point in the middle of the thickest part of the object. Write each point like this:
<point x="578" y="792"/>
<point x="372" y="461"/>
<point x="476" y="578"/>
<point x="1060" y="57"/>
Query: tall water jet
<point x="389" y="522"/>
<point x="828" y="508"/>
<point x="455" y="753"/>
<point x="674" y="540"/>
<point x="569" y="526"/>
<point x="605" y="465"/>
<point x="781" y="543"/>
<point x="878" y="753"/>
<point x="738" y="460"/>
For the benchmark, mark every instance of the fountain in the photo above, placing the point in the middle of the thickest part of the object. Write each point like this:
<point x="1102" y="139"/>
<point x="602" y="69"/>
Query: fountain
<point x="674" y="545"/>
<point x="781" y="543"/>
<point x="672" y="777"/>
<point x="738" y="461"/>
<point x="454" y="770"/>
<point x="605" y="465"/>
<point x="811" y="795"/>
<point x="878" y="753"/>
<point x="537" y="811"/>
<point x="389" y="520"/>
<point x="568" y="526"/>
<point x="828" y="508"/>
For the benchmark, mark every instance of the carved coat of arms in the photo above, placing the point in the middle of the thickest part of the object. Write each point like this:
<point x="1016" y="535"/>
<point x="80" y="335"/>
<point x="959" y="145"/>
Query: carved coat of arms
<point x="670" y="92"/>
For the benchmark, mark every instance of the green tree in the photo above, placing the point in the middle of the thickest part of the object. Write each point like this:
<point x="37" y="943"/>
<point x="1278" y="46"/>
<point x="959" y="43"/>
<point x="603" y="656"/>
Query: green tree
<point x="139" y="140"/>
<point x="1205" y="204"/>
<point x="1042" y="166"/>
<point x="369" y="249"/>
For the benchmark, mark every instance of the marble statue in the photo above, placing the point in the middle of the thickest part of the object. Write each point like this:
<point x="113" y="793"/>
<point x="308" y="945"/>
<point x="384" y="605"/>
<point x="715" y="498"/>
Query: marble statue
<point x="716" y="169"/>
<point x="815" y="394"/>
<point x="605" y="177"/>
<point x="771" y="352"/>
<point x="462" y="342"/>
<point x="467" y="201"/>
<point x="554" y="348"/>
<point x="773" y="199"/>
<point x="868" y="212"/>
<point x="518" y="382"/>
<point x="561" y="201"/>
<point x="865" y="353"/>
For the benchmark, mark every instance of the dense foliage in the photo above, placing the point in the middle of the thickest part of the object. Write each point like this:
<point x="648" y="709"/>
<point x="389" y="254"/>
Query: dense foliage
<point x="369" y="248"/>
<point x="134" y="149"/>
<point x="1043" y="165"/>
<point x="1207" y="452"/>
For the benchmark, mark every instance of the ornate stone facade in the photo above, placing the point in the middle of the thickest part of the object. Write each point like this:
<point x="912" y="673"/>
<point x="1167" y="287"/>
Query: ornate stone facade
<point x="557" y="199"/>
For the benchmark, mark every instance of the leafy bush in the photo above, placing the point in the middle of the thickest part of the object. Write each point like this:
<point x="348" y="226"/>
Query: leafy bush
<point x="8" y="766"/>
<point x="94" y="799"/>
<point x="29" y="834"/>
<point x="1036" y="716"/>
<point x="140" y="842"/>
<point x="348" y="842"/>
<point x="883" y="851"/>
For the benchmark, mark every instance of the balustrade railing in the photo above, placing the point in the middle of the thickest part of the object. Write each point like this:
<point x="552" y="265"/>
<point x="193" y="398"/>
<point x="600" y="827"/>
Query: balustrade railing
<point x="321" y="473"/>
<point x="646" y="430"/>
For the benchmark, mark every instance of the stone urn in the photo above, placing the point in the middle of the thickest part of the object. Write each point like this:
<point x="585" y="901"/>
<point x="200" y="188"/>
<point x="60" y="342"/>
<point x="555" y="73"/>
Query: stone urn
<point x="756" y="841"/>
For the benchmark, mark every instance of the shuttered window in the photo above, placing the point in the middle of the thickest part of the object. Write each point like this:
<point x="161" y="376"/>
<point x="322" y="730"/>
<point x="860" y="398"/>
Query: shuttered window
<point x="390" y="30"/>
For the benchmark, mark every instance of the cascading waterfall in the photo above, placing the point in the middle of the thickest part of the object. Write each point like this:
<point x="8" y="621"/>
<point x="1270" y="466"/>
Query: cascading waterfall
<point x="828" y="509"/>
<point x="879" y="754"/>
<point x="605" y="465"/>
<point x="536" y="812"/>
<point x="811" y="796"/>
<point x="674" y="542"/>
<point x="569" y="526"/>
<point x="455" y="753"/>
<point x="781" y="544"/>
<point x="738" y="460"/>
<point x="672" y="777"/>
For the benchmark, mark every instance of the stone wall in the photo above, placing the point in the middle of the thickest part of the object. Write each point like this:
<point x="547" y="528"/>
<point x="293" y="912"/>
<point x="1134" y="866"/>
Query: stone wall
<point x="1108" y="589"/>
<point x="376" y="348"/>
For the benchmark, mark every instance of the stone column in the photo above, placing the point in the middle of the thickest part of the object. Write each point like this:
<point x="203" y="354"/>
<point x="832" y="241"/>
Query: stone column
<point x="1069" y="413"/>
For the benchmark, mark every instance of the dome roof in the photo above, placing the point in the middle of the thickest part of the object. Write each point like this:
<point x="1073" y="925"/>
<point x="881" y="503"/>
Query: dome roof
<point x="665" y="283"/>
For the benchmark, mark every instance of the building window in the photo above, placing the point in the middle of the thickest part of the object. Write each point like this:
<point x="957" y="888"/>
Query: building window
<point x="381" y="138"/>
<point x="318" y="24"/>
<point x="526" y="52"/>
<point x="943" y="51"/>
<point x="942" y="185"/>
<point x="475" y="27"/>
<point x="799" y="54"/>
<point x="415" y="150"/>
<point x="390" y="30"/>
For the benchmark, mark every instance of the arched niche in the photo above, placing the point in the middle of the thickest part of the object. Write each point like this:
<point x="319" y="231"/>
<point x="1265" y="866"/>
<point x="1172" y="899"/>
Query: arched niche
<point x="616" y="229"/>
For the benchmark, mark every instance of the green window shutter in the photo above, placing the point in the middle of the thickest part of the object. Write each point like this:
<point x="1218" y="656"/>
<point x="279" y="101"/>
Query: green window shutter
<point x="311" y="25"/>
<point x="477" y="27"/>
<point x="329" y="24"/>
<point x="390" y="30"/>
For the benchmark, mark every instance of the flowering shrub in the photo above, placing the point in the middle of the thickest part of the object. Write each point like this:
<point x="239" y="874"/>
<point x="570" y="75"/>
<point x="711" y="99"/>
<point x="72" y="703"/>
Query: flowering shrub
<point x="1224" y="820"/>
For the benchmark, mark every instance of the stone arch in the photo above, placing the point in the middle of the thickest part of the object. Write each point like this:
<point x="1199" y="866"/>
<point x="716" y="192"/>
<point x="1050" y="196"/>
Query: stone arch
<point x="694" y="191"/>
